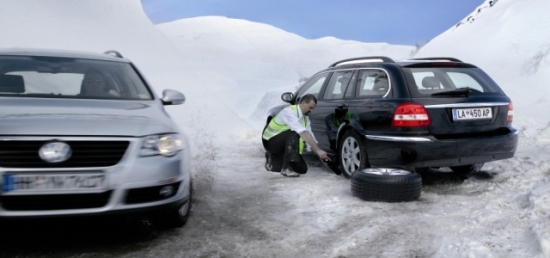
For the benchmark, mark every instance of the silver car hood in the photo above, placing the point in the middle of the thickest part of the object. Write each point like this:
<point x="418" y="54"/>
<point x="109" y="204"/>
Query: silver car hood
<point x="82" y="117"/>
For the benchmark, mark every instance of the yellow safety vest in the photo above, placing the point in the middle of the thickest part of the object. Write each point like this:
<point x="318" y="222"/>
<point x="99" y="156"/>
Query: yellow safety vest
<point x="273" y="128"/>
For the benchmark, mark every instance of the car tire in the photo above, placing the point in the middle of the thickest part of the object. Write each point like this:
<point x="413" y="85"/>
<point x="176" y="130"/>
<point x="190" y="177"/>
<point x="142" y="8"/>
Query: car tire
<point x="176" y="218"/>
<point x="352" y="154"/>
<point x="467" y="169"/>
<point x="386" y="184"/>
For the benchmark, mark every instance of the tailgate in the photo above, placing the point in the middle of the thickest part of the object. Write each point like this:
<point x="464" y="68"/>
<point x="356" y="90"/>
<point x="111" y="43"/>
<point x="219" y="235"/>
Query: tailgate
<point x="469" y="119"/>
<point x="462" y="100"/>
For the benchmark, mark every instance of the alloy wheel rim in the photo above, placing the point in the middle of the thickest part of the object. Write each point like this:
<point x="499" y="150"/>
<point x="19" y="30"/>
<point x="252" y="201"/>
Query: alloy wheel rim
<point x="386" y="171"/>
<point x="351" y="155"/>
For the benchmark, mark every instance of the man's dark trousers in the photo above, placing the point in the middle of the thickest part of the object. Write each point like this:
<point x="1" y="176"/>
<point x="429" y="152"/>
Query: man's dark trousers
<point x="284" y="150"/>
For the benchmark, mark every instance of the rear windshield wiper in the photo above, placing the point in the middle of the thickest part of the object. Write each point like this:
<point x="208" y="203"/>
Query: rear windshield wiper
<point x="458" y="92"/>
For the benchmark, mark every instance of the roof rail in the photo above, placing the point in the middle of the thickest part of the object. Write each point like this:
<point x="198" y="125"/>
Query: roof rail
<point x="452" y="59"/>
<point x="366" y="60"/>
<point x="113" y="53"/>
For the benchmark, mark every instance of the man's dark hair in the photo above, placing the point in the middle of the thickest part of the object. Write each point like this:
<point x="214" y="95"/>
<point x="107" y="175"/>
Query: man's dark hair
<point x="307" y="98"/>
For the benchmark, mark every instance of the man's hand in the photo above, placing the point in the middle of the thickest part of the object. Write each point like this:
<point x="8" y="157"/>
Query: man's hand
<point x="326" y="162"/>
<point x="321" y="153"/>
<point x="323" y="156"/>
<point x="315" y="148"/>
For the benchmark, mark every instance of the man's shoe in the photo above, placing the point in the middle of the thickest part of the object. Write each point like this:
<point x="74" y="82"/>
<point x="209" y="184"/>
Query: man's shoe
<point x="268" y="165"/>
<point x="289" y="173"/>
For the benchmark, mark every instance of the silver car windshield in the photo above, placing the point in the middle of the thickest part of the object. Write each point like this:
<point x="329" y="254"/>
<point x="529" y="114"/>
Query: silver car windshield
<point x="54" y="77"/>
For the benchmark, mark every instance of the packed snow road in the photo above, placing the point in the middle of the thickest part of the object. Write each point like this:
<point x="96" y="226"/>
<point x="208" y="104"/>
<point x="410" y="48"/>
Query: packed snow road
<point x="241" y="210"/>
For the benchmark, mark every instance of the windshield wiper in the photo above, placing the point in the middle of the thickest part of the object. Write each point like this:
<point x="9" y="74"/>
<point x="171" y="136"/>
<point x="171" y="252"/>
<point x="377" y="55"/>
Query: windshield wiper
<point x="453" y="93"/>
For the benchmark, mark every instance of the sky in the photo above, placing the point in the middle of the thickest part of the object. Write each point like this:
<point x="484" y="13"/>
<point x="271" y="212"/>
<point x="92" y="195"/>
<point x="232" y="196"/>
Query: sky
<point x="240" y="210"/>
<point x="401" y="22"/>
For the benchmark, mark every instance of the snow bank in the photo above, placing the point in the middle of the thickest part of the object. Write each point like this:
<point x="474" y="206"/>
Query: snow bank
<point x="505" y="39"/>
<point x="260" y="57"/>
<point x="97" y="26"/>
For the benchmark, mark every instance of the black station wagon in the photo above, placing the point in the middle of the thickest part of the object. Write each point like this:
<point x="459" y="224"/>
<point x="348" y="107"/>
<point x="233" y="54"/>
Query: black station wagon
<point x="412" y="114"/>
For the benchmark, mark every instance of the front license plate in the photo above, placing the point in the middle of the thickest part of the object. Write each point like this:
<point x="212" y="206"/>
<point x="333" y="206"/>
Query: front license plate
<point x="53" y="182"/>
<point x="472" y="113"/>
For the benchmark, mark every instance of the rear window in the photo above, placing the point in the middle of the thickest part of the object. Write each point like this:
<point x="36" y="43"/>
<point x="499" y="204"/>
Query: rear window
<point x="424" y="82"/>
<point x="53" y="77"/>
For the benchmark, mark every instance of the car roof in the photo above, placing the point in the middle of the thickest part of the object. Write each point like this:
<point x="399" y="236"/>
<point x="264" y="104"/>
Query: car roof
<point x="110" y="55"/>
<point x="377" y="61"/>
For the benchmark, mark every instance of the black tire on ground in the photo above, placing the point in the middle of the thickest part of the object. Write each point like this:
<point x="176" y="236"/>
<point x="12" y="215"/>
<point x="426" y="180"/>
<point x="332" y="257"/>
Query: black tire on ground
<point x="467" y="169"/>
<point x="352" y="154"/>
<point x="176" y="218"/>
<point x="386" y="184"/>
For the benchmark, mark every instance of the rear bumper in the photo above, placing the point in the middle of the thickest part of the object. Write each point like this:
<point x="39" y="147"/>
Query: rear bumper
<point x="431" y="152"/>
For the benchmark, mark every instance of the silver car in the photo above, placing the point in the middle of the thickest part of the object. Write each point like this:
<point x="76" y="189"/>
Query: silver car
<point x="84" y="134"/>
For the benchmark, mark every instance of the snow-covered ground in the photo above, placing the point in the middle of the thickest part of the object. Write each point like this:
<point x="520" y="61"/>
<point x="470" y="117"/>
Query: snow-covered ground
<point x="227" y="67"/>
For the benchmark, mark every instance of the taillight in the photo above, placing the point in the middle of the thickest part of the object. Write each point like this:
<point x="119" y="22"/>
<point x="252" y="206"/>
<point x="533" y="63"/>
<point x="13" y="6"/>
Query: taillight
<point x="510" y="115"/>
<point x="411" y="115"/>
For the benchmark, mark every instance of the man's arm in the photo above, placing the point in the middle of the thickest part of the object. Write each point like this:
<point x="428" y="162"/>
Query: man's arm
<point x="289" y="118"/>
<point x="314" y="147"/>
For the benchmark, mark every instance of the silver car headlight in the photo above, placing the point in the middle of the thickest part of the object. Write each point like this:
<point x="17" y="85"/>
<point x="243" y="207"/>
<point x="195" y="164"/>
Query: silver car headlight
<point x="163" y="144"/>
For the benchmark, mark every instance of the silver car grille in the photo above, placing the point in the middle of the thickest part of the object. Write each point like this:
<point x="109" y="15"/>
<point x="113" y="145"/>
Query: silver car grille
<point x="25" y="154"/>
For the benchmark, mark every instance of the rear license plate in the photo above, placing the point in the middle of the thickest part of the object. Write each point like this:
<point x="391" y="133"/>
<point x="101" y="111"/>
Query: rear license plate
<point x="21" y="183"/>
<point x="472" y="113"/>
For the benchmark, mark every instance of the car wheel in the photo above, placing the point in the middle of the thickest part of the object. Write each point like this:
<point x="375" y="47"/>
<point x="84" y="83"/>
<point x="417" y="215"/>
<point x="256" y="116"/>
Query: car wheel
<point x="467" y="169"/>
<point x="179" y="216"/>
<point x="386" y="184"/>
<point x="352" y="153"/>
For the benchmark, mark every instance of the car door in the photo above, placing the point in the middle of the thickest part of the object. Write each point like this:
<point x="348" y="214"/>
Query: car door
<point x="332" y="97"/>
<point x="373" y="107"/>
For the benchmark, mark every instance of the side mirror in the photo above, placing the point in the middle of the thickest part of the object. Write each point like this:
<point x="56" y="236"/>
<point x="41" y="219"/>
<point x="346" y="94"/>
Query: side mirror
<point x="172" y="97"/>
<point x="287" y="97"/>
